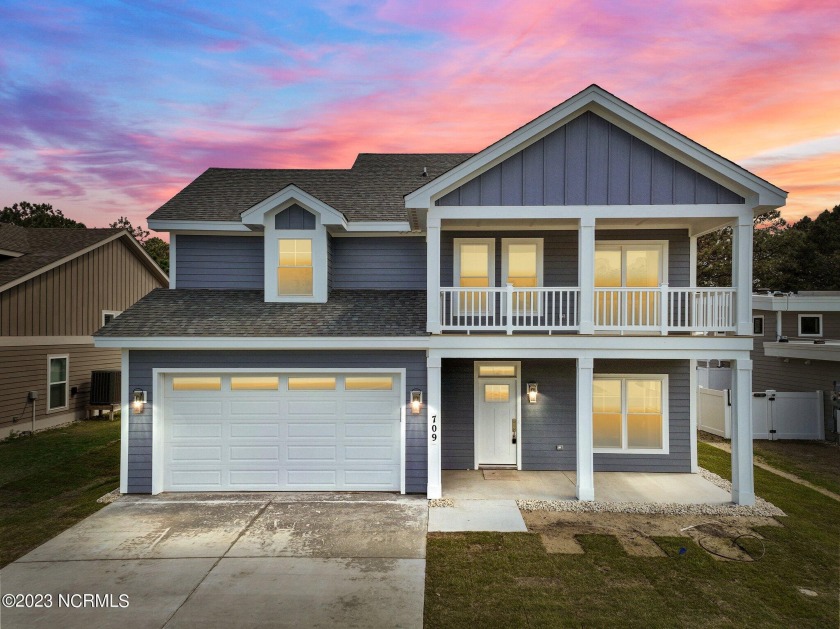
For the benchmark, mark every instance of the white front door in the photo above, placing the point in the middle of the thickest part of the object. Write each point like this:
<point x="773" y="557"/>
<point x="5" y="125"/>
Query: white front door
<point x="497" y="425"/>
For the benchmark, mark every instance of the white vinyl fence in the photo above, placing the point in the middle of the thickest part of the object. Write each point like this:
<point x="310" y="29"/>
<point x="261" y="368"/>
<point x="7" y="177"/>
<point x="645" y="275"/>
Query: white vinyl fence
<point x="776" y="415"/>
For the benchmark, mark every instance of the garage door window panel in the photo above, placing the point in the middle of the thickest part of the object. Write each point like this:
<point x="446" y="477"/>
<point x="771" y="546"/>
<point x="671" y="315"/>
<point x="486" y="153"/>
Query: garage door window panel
<point x="311" y="384"/>
<point x="197" y="383"/>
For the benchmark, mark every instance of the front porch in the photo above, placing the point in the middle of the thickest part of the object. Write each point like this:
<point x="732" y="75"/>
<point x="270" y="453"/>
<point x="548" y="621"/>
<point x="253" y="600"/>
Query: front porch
<point x="638" y="487"/>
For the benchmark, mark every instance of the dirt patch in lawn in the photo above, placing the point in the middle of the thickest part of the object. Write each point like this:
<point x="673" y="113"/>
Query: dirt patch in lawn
<point x="723" y="537"/>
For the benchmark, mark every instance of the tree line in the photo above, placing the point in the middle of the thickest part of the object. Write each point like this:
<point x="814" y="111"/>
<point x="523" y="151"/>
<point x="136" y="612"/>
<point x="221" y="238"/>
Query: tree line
<point x="25" y="214"/>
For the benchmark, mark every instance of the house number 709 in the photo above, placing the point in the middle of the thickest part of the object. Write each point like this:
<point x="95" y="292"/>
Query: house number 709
<point x="434" y="428"/>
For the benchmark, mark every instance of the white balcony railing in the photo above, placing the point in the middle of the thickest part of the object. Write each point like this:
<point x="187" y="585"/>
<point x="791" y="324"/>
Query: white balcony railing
<point x="660" y="310"/>
<point x="508" y="309"/>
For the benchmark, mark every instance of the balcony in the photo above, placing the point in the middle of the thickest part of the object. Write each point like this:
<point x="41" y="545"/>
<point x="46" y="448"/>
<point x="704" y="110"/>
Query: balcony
<point x="661" y="310"/>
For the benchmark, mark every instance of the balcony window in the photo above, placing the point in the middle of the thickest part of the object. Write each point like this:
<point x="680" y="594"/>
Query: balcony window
<point x="810" y="325"/>
<point x="623" y="267"/>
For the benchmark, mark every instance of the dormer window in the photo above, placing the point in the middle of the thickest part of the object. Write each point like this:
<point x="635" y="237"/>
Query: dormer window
<point x="296" y="256"/>
<point x="294" y="271"/>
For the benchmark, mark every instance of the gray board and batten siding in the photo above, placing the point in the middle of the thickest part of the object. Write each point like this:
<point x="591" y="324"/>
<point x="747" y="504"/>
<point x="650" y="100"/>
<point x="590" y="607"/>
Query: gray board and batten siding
<point x="560" y="252"/>
<point x="236" y="262"/>
<point x="142" y="362"/>
<point x="552" y="420"/>
<point x="294" y="217"/>
<point x="589" y="161"/>
<point x="771" y="372"/>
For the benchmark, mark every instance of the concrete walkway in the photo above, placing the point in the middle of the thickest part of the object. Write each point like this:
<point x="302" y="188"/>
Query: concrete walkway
<point x="245" y="560"/>
<point x="775" y="470"/>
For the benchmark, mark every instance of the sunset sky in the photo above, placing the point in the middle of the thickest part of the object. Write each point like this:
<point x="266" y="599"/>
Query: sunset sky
<point x="109" y="108"/>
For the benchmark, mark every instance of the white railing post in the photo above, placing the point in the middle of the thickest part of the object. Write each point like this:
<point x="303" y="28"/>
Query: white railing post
<point x="509" y="307"/>
<point x="586" y="274"/>
<point x="663" y="309"/>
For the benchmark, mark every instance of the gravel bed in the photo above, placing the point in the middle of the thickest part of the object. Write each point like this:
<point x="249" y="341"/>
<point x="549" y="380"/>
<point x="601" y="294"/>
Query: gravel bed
<point x="441" y="502"/>
<point x="761" y="507"/>
<point x="111" y="496"/>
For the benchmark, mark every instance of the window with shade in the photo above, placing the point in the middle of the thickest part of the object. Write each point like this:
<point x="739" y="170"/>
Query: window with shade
<point x="624" y="267"/>
<point x="629" y="413"/>
<point x="522" y="267"/>
<point x="474" y="268"/>
<point x="294" y="269"/>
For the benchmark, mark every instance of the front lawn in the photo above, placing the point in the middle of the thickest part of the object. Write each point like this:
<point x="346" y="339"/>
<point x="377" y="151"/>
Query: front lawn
<point x="51" y="481"/>
<point x="508" y="580"/>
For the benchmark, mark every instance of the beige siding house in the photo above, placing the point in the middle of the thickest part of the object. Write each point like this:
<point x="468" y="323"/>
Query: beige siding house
<point x="57" y="287"/>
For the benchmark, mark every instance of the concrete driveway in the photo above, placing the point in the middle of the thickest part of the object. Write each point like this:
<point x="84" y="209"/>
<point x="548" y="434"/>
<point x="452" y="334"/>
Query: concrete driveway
<point x="244" y="560"/>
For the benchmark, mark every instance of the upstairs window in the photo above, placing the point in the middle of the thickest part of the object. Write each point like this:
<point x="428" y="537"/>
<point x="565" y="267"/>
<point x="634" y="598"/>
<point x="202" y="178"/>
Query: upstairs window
<point x="294" y="269"/>
<point x="810" y="325"/>
<point x="758" y="326"/>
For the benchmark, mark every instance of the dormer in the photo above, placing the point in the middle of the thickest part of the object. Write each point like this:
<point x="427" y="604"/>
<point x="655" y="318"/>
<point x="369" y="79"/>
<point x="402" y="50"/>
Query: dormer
<point x="294" y="226"/>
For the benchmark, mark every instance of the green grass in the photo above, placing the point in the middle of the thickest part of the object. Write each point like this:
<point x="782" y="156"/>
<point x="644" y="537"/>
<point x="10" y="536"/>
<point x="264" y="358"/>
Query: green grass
<point x="51" y="481"/>
<point x="816" y="462"/>
<point x="508" y="580"/>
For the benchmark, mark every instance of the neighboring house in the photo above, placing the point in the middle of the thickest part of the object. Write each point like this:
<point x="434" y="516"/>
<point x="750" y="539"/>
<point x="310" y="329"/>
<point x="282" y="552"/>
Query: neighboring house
<point x="533" y="306"/>
<point x="57" y="287"/>
<point x="797" y="346"/>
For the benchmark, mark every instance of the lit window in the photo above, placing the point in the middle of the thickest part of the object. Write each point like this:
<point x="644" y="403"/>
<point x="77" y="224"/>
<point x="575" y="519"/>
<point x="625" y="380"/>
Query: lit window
<point x="369" y="383"/>
<point x="197" y="383"/>
<point x="254" y="383"/>
<point x="311" y="384"/>
<point x="294" y="270"/>
<point x="496" y="392"/>
<point x="57" y="381"/>
<point x="628" y="414"/>
<point x="508" y="371"/>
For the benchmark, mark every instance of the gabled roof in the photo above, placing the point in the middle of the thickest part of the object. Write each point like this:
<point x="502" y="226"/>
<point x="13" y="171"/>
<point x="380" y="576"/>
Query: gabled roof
<point x="597" y="100"/>
<point x="372" y="190"/>
<point x="43" y="248"/>
<point x="245" y="313"/>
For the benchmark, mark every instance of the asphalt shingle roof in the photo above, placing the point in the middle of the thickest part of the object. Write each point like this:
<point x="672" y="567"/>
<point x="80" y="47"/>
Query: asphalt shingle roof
<point x="214" y="313"/>
<point x="372" y="190"/>
<point x="42" y="246"/>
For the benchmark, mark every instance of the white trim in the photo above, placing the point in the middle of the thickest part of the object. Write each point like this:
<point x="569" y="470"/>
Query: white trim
<point x="517" y="377"/>
<point x="797" y="302"/>
<point x="269" y="342"/>
<point x="290" y="195"/>
<point x="379" y="226"/>
<point x="763" y="329"/>
<point x="537" y="212"/>
<point x="50" y="358"/>
<point x="506" y="242"/>
<point x="567" y="345"/>
<point x="113" y="313"/>
<point x="692" y="260"/>
<point x="159" y="397"/>
<point x="666" y="417"/>
<point x="491" y="258"/>
<point x="805" y="350"/>
<point x="125" y="418"/>
<point x="10" y="253"/>
<point x="620" y="113"/>
<point x="133" y="245"/>
<point x="173" y="259"/>
<point x="811" y="316"/>
<point x="584" y="457"/>
<point x="27" y="341"/>
<point x="197" y="226"/>
<point x="692" y="415"/>
<point x="433" y="325"/>
<point x="434" y="421"/>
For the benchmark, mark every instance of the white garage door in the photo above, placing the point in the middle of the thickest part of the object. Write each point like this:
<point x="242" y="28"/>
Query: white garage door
<point x="279" y="432"/>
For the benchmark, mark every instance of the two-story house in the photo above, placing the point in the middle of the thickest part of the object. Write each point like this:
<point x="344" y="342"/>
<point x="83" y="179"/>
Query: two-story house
<point x="532" y="306"/>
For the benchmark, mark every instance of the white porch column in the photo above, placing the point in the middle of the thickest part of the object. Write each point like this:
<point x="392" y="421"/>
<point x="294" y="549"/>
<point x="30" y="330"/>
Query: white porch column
<point x="743" y="491"/>
<point x="692" y="261"/>
<point x="433" y="275"/>
<point x="778" y="324"/>
<point x="586" y="274"/>
<point x="742" y="254"/>
<point x="692" y="412"/>
<point x="434" y="488"/>
<point x="585" y="485"/>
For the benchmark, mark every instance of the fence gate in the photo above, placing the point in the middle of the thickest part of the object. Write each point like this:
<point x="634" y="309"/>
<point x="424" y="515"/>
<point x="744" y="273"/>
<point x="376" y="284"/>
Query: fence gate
<point x="776" y="415"/>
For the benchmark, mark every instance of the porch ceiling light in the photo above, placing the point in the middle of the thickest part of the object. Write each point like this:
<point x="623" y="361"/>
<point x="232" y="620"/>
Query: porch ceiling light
<point x="138" y="401"/>
<point x="532" y="392"/>
<point x="416" y="401"/>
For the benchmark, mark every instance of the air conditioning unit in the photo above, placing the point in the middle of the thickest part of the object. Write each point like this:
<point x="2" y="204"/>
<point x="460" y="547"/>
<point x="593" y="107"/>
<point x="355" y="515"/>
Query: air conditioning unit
<point x="105" y="387"/>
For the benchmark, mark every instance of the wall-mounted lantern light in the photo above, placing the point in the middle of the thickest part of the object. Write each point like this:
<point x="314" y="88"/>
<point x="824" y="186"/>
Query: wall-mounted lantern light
<point x="416" y="401"/>
<point x="532" y="392"/>
<point x="138" y="401"/>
